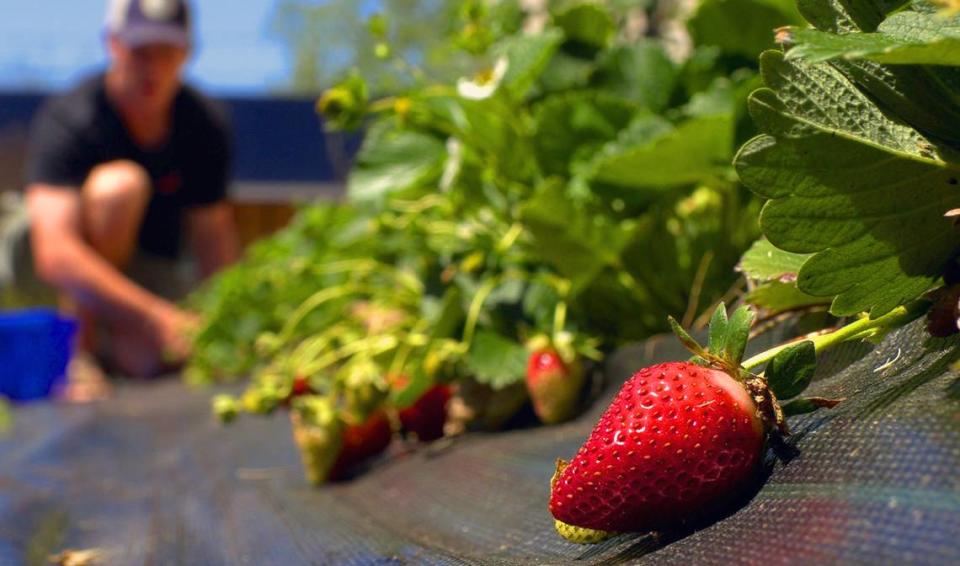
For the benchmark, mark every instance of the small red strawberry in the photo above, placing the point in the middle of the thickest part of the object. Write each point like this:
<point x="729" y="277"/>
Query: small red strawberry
<point x="677" y="438"/>
<point x="361" y="442"/>
<point x="317" y="431"/>
<point x="301" y="386"/>
<point x="427" y="415"/>
<point x="554" y="385"/>
<point x="328" y="446"/>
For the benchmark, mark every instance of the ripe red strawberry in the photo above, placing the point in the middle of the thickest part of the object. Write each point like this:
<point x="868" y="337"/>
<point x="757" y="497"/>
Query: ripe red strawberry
<point x="361" y="442"/>
<point x="427" y="415"/>
<point x="329" y="447"/>
<point x="301" y="386"/>
<point x="678" y="438"/>
<point x="554" y="386"/>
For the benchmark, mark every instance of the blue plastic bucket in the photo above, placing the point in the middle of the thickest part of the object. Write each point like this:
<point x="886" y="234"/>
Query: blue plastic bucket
<point x="35" y="347"/>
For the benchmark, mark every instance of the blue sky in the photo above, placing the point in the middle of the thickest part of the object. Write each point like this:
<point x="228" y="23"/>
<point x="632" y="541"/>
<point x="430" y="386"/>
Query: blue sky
<point x="46" y="44"/>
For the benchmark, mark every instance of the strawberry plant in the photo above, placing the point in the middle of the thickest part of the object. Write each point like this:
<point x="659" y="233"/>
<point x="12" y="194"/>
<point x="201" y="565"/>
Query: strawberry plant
<point x="683" y="439"/>
<point x="857" y="163"/>
<point x="565" y="199"/>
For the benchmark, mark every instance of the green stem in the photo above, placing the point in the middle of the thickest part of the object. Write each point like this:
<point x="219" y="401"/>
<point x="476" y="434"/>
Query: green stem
<point x="510" y="237"/>
<point x="382" y="105"/>
<point x="560" y="311"/>
<point x="406" y="347"/>
<point x="314" y="302"/>
<point x="559" y="319"/>
<point x="375" y="345"/>
<point x="312" y="347"/>
<point x="473" y="314"/>
<point x="346" y="266"/>
<point x="857" y="329"/>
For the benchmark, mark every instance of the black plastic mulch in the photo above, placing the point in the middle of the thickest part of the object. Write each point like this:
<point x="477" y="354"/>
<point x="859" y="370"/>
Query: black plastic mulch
<point x="149" y="478"/>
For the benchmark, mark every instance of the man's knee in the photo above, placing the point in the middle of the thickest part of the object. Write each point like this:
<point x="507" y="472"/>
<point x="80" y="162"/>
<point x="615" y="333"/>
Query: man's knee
<point x="117" y="184"/>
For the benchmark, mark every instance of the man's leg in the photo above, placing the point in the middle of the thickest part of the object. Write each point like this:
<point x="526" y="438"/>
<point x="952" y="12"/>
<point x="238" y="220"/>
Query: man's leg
<point x="115" y="197"/>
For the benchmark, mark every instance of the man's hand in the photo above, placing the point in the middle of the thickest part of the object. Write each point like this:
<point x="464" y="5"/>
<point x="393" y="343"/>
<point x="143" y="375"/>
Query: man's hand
<point x="144" y="327"/>
<point x="174" y="329"/>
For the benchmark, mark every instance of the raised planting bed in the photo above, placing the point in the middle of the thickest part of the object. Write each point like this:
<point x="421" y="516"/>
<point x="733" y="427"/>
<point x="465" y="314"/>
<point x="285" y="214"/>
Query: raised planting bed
<point x="150" y="477"/>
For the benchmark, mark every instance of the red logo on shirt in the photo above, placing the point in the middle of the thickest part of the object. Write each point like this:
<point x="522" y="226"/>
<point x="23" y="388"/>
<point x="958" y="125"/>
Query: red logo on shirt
<point x="168" y="184"/>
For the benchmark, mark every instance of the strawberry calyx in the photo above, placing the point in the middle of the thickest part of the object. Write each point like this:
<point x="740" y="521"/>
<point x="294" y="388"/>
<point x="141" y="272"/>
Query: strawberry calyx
<point x="770" y="410"/>
<point x="724" y="352"/>
<point x="561" y="346"/>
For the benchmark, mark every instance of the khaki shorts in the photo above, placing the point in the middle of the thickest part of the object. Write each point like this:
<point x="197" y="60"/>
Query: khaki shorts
<point x="20" y="286"/>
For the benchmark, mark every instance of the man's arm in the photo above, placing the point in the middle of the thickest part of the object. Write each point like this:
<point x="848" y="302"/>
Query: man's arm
<point x="63" y="259"/>
<point x="213" y="236"/>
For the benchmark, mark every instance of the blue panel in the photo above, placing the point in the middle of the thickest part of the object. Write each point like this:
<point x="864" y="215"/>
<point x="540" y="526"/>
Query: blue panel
<point x="283" y="140"/>
<point x="275" y="140"/>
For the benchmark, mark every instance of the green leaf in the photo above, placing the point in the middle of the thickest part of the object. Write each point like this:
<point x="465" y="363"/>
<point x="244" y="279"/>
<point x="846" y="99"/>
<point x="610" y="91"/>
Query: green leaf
<point x="481" y="124"/>
<point x="741" y="27"/>
<point x="738" y="332"/>
<point x="798" y="407"/>
<point x="418" y="384"/>
<point x="688" y="341"/>
<point x="509" y="292"/>
<point x="718" y="330"/>
<point x="602" y="302"/>
<point x="445" y="315"/>
<point x="765" y="262"/>
<point x="925" y="97"/>
<point x="539" y="304"/>
<point x="643" y="129"/>
<point x="586" y="22"/>
<point x="910" y="38"/>
<point x="849" y="15"/>
<point x="496" y="361"/>
<point x="640" y="72"/>
<point x="575" y="123"/>
<point x="565" y="72"/>
<point x="573" y="238"/>
<point x="527" y="56"/>
<point x="790" y="371"/>
<point x="778" y="296"/>
<point x="696" y="150"/>
<point x="721" y="97"/>
<point x="863" y="193"/>
<point x="378" y="26"/>
<point x="393" y="161"/>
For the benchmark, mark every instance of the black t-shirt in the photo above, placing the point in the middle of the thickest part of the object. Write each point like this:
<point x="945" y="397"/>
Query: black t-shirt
<point x="76" y="131"/>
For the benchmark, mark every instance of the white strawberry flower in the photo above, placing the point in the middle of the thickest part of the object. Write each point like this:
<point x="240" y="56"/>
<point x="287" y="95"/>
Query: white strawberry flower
<point x="484" y="83"/>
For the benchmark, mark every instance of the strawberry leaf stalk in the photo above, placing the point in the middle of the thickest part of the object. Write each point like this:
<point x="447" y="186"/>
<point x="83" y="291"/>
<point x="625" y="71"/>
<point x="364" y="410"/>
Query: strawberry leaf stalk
<point x="681" y="439"/>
